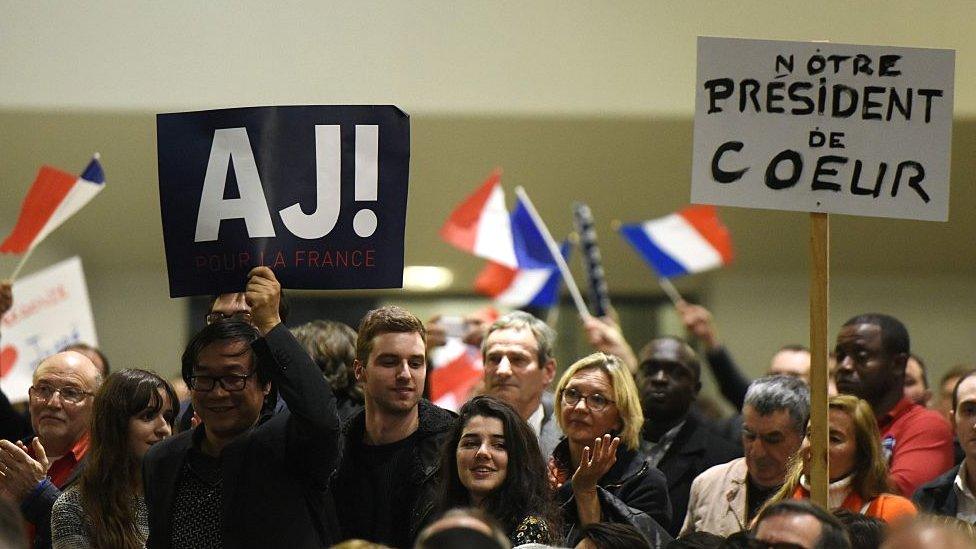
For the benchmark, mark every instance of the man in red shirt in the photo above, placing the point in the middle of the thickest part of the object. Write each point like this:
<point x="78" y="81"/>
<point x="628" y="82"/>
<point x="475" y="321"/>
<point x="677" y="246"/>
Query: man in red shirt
<point x="60" y="406"/>
<point x="872" y="351"/>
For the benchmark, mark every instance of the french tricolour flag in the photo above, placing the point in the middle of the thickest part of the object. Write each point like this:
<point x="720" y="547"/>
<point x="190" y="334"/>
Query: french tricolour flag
<point x="481" y="226"/>
<point x="52" y="199"/>
<point x="536" y="280"/>
<point x="689" y="241"/>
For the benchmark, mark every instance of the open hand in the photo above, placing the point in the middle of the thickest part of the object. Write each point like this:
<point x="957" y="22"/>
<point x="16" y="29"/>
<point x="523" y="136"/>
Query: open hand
<point x="20" y="473"/>
<point x="595" y="463"/>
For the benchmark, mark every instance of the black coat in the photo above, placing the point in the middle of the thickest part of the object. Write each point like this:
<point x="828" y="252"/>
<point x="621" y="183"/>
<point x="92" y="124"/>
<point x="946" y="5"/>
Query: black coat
<point x="695" y="449"/>
<point x="938" y="496"/>
<point x="274" y="476"/>
<point x="631" y="492"/>
<point x="434" y="426"/>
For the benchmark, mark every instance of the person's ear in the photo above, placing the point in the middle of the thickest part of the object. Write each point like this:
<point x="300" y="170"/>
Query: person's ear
<point x="359" y="370"/>
<point x="549" y="371"/>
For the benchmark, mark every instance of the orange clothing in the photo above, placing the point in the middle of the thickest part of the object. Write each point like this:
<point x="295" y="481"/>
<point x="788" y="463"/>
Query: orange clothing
<point x="887" y="507"/>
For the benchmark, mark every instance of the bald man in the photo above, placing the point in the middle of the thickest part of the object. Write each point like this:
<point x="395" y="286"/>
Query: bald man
<point x="60" y="406"/>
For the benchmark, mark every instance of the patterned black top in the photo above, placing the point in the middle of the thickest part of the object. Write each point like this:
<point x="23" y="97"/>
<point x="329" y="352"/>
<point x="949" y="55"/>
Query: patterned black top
<point x="532" y="529"/>
<point x="197" y="504"/>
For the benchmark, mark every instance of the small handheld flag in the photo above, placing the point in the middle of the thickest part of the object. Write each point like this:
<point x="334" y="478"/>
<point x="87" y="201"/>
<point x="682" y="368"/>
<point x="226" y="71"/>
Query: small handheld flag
<point x="481" y="225"/>
<point x="689" y="241"/>
<point x="518" y="288"/>
<point x="52" y="199"/>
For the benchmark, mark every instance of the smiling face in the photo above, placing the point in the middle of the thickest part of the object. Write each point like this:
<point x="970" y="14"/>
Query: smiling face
<point x="512" y="369"/>
<point x="60" y="424"/>
<point x="582" y="424"/>
<point x="226" y="414"/>
<point x="864" y="368"/>
<point x="149" y="427"/>
<point x="393" y="377"/>
<point x="843" y="446"/>
<point x="482" y="457"/>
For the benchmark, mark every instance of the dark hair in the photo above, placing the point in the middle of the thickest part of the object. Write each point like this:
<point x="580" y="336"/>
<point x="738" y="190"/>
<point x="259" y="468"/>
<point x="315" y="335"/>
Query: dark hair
<point x="385" y="320"/>
<point x="430" y="536"/>
<point x="86" y="348"/>
<point x="864" y="532"/>
<point x="832" y="532"/>
<point x="332" y="345"/>
<point x="525" y="489"/>
<point x="955" y="389"/>
<point x="112" y="471"/>
<point x="612" y="535"/>
<point x="222" y="330"/>
<point x="894" y="335"/>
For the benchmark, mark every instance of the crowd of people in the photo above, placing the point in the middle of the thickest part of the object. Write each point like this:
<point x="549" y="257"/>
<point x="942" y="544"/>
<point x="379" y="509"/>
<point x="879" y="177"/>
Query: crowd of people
<point x="322" y="436"/>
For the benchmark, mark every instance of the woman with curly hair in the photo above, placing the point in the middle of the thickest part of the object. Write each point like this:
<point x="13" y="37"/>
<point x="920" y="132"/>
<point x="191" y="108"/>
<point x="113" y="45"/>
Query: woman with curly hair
<point x="492" y="461"/>
<point x="133" y="410"/>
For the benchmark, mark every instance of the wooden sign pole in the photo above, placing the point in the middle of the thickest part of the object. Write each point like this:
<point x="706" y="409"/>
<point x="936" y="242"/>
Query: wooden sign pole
<point x="819" y="314"/>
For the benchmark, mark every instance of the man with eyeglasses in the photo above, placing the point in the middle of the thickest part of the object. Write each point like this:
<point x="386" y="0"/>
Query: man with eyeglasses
<point x="242" y="478"/>
<point x="519" y="365"/>
<point x="60" y="406"/>
<point x="675" y="439"/>
<point x="726" y="497"/>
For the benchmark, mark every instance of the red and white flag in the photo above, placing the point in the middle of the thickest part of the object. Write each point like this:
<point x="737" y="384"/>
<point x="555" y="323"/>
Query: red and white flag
<point x="481" y="225"/>
<point x="52" y="199"/>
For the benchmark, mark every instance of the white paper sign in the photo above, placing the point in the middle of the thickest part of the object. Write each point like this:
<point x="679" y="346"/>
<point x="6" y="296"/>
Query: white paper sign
<point x="51" y="310"/>
<point x="822" y="127"/>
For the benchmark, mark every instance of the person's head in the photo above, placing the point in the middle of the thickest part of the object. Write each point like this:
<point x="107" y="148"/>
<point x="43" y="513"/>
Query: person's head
<point x="947" y="385"/>
<point x="463" y="518"/>
<point x="596" y="396"/>
<point x="697" y="540"/>
<point x="12" y="534"/>
<point x="872" y="350"/>
<point x="332" y="345"/>
<point x="800" y="523"/>
<point x="227" y="383"/>
<point x="917" y="381"/>
<point x="391" y="360"/>
<point x="864" y="532"/>
<point x="668" y="378"/>
<point x="132" y="411"/>
<point x="927" y="530"/>
<point x="854" y="448"/>
<point x="492" y="460"/>
<point x="518" y="359"/>
<point x="61" y="397"/>
<point x="791" y="360"/>
<point x="963" y="413"/>
<point x="774" y="420"/>
<point x="95" y="354"/>
<point x="235" y="306"/>
<point x="610" y="535"/>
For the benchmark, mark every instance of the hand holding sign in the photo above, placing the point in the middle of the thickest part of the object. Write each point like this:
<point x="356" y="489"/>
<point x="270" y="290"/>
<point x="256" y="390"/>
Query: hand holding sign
<point x="263" y="295"/>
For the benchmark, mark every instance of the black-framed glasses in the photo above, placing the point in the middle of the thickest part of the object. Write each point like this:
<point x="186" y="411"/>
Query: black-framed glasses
<point x="216" y="316"/>
<point x="45" y="392"/>
<point x="595" y="402"/>
<point x="230" y="383"/>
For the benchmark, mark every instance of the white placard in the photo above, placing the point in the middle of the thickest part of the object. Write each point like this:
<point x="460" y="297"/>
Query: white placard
<point x="823" y="127"/>
<point x="51" y="310"/>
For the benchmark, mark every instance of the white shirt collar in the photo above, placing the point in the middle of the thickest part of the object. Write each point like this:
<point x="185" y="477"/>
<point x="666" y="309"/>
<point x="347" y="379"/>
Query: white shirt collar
<point x="535" y="420"/>
<point x="966" y="501"/>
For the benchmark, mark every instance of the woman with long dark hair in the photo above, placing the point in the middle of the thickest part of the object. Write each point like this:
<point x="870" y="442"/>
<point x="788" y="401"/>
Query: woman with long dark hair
<point x="492" y="461"/>
<point x="133" y="410"/>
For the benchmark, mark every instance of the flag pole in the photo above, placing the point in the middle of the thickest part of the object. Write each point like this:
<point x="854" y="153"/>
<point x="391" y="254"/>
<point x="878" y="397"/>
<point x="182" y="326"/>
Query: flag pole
<point x="669" y="289"/>
<point x="554" y="251"/>
<point x="20" y="265"/>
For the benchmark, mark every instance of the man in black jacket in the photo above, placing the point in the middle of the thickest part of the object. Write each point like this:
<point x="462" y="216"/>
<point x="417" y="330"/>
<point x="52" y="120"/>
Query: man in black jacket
<point x="384" y="486"/>
<point x="952" y="493"/>
<point x="243" y="479"/>
<point x="674" y="438"/>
